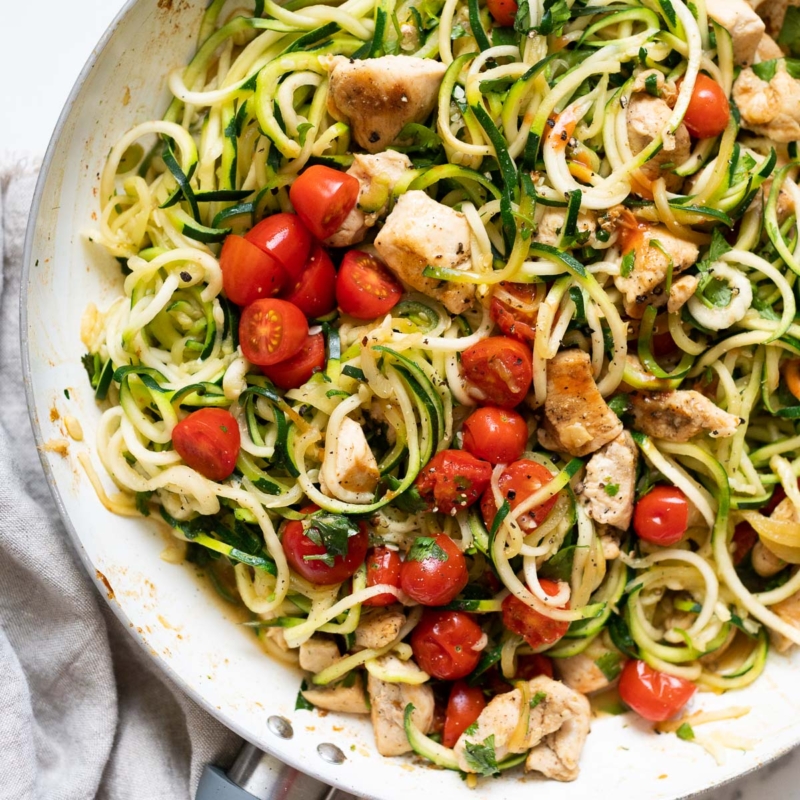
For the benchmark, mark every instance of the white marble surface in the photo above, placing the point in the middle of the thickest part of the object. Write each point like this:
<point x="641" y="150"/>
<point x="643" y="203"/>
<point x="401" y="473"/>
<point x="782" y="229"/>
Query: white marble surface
<point x="40" y="63"/>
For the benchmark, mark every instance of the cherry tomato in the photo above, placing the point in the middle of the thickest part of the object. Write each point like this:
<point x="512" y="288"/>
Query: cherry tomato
<point x="503" y="11"/>
<point x="518" y="318"/>
<point x="744" y="539"/>
<point x="662" y="516"/>
<point x="383" y="566"/>
<point x="271" y="331"/>
<point x="248" y="274"/>
<point x="709" y="111"/>
<point x="663" y="344"/>
<point x="517" y="483"/>
<point x="778" y="496"/>
<point x="463" y="708"/>
<point x="298" y="547"/>
<point x="497" y="435"/>
<point x="297" y="369"/>
<point x="530" y="667"/>
<point x="434" y="571"/>
<point x="443" y="643"/>
<point x="535" y="628"/>
<point x="365" y="289"/>
<point x="208" y="441"/>
<point x="651" y="694"/>
<point x="452" y="480"/>
<point x="314" y="290"/>
<point x="286" y="239"/>
<point x="500" y="368"/>
<point x="323" y="197"/>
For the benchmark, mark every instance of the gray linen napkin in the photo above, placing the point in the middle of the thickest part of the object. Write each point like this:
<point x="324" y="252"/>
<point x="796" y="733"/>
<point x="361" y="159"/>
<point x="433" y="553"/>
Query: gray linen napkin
<point x="82" y="713"/>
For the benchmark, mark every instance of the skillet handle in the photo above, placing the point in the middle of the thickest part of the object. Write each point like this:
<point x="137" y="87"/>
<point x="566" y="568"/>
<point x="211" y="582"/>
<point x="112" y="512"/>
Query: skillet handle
<point x="256" y="774"/>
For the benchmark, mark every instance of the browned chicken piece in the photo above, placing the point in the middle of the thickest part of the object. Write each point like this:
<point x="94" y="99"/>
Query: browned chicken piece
<point x="577" y="419"/>
<point x="773" y="12"/>
<point x="679" y="415"/>
<point x="550" y="226"/>
<point x="789" y="611"/>
<point x="318" y="653"/>
<point x="667" y="90"/>
<point x="581" y="673"/>
<point x="610" y="482"/>
<point x="769" y="109"/>
<point x="350" y="459"/>
<point x="380" y="96"/>
<point x="680" y="292"/>
<point x="388" y="701"/>
<point x="744" y="25"/>
<point x="421" y="232"/>
<point x="379" y="628"/>
<point x="647" y="117"/>
<point x="346" y="699"/>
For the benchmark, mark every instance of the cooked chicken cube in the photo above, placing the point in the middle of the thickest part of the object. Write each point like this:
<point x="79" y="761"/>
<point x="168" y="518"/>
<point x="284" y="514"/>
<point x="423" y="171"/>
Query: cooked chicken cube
<point x="768" y="48"/>
<point x="665" y="89"/>
<point x="388" y="701"/>
<point x="377" y="176"/>
<point x="680" y="292"/>
<point x="354" y="466"/>
<point x="421" y="232"/>
<point x="773" y="12"/>
<point x="380" y="96"/>
<point x="769" y="109"/>
<point x="610" y="483"/>
<point x="744" y="25"/>
<point x="765" y="562"/>
<point x="655" y="248"/>
<point x="550" y="226"/>
<point x="647" y="118"/>
<point x="789" y="611"/>
<point x="318" y="653"/>
<point x="344" y="698"/>
<point x="576" y="417"/>
<point x="379" y="628"/>
<point x="679" y="415"/>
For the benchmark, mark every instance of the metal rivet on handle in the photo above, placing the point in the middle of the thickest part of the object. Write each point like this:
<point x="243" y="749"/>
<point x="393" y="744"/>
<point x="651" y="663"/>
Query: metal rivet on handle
<point x="280" y="726"/>
<point x="331" y="753"/>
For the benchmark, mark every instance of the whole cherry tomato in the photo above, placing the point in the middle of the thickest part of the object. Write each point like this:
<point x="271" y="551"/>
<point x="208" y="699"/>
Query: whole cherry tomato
<point x="662" y="516"/>
<point x="383" y="567"/>
<point x="208" y="441"/>
<point x="452" y="480"/>
<point x="365" y="289"/>
<point x="286" y="239"/>
<point x="314" y="291"/>
<point x="444" y="644"/>
<point x="248" y="274"/>
<point x="517" y="483"/>
<point x="297" y="369"/>
<point x="323" y="197"/>
<point x="709" y="111"/>
<point x="434" y="571"/>
<point x="497" y="435"/>
<point x="463" y="708"/>
<point x="651" y="694"/>
<point x="517" y="317"/>
<point x="503" y="11"/>
<point x="271" y="331"/>
<point x="535" y="628"/>
<point x="500" y="369"/>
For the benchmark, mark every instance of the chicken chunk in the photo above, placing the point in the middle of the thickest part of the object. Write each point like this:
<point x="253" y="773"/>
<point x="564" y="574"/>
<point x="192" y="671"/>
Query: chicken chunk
<point x="769" y="109"/>
<point x="679" y="415"/>
<point x="421" y="232"/>
<point x="377" y="175"/>
<point x="647" y="117"/>
<point x="765" y="562"/>
<point x="388" y="701"/>
<point x="773" y="12"/>
<point x="380" y="96"/>
<point x="665" y="89"/>
<point x="342" y="698"/>
<point x="581" y="673"/>
<point x="353" y="466"/>
<point x="318" y="653"/>
<point x="680" y="292"/>
<point x="744" y="25"/>
<point x="379" y="628"/>
<point x="610" y="483"/>
<point x="789" y="611"/>
<point x="550" y="226"/>
<point x="576" y="417"/>
<point x="655" y="249"/>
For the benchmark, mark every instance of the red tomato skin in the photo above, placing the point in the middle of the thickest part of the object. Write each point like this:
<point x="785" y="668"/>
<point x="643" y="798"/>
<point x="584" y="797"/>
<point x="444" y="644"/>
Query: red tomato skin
<point x="463" y="708"/>
<point x="314" y="292"/>
<point x="442" y="643"/>
<point x="654" y="695"/>
<point x="744" y="539"/>
<point x="535" y="628"/>
<point x="497" y="435"/>
<point x="518" y="322"/>
<point x="709" y="111"/>
<point x="248" y="273"/>
<point x="323" y="197"/>
<point x="503" y="11"/>
<point x="259" y="343"/>
<point x="365" y="289"/>
<point x="297" y="369"/>
<point x="296" y="545"/>
<point x="530" y="667"/>
<point x="432" y="582"/>
<point x="208" y="440"/>
<point x="383" y="566"/>
<point x="517" y="482"/>
<point x="286" y="239"/>
<point x="452" y="480"/>
<point x="662" y="516"/>
<point x="501" y="368"/>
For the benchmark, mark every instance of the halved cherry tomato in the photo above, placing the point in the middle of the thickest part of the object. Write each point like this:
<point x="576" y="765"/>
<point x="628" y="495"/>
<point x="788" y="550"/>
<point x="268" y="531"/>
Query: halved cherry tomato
<point x="709" y="111"/>
<point x="517" y="483"/>
<point x="286" y="239"/>
<point x="452" y="480"/>
<point x="651" y="694"/>
<point x="323" y="197"/>
<point x="516" y="318"/>
<point x="208" y="441"/>
<point x="463" y="708"/>
<point x="365" y="289"/>
<point x="497" y="435"/>
<point x="383" y="566"/>
<point x="662" y="516"/>
<point x="248" y="274"/>
<point x="271" y="331"/>
<point x="434" y="571"/>
<point x="500" y="368"/>
<point x="503" y="11"/>
<point x="744" y="539"/>
<point x="297" y="369"/>
<point x="535" y="628"/>
<point x="303" y="554"/>
<point x="443" y="643"/>
<point x="530" y="667"/>
<point x="314" y="291"/>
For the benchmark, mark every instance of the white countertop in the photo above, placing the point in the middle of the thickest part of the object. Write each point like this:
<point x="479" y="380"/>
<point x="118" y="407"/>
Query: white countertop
<point x="38" y="73"/>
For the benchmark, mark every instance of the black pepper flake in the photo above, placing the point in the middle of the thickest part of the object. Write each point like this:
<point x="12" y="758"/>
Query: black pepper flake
<point x="642" y="298"/>
<point x="374" y="136"/>
<point x="551" y="123"/>
<point x="186" y="276"/>
<point x="658" y="290"/>
<point x="563" y="136"/>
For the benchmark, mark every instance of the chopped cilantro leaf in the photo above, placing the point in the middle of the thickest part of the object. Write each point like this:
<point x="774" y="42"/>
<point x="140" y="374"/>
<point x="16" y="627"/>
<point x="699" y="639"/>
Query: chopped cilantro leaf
<point x="686" y="732"/>
<point x="481" y="758"/>
<point x="537" y="699"/>
<point x="332" y="532"/>
<point x="627" y="264"/>
<point x="425" y="548"/>
<point x="611" y="489"/>
<point x="472" y="730"/>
